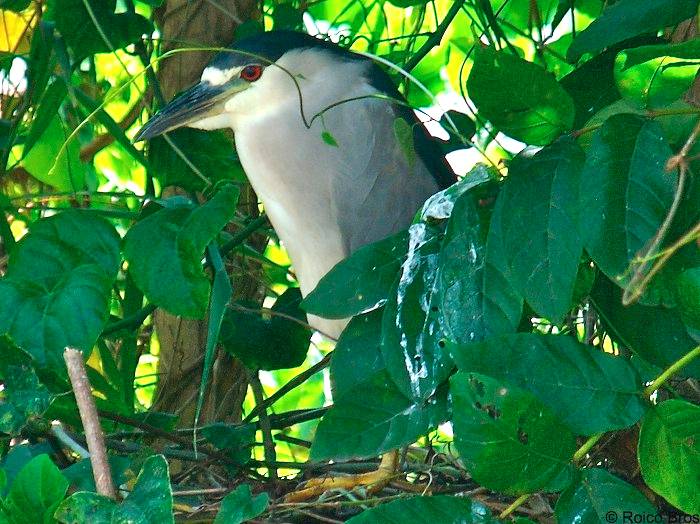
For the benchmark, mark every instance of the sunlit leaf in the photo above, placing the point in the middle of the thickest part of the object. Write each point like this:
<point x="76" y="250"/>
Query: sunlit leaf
<point x="669" y="453"/>
<point x="628" y="18"/>
<point x="519" y="98"/>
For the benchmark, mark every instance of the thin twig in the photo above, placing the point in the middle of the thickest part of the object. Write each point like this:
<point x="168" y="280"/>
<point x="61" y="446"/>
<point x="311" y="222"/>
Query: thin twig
<point x="435" y="37"/>
<point x="91" y="422"/>
<point x="265" y="428"/>
<point x="672" y="370"/>
<point x="289" y="386"/>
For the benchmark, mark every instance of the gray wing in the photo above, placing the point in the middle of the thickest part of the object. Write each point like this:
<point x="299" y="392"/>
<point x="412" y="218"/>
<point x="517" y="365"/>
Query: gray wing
<point x="383" y="181"/>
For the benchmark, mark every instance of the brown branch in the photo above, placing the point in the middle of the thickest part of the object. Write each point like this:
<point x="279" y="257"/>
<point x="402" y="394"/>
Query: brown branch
<point x="91" y="423"/>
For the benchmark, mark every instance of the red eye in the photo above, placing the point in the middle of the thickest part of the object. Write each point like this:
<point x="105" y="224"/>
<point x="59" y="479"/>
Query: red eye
<point x="251" y="72"/>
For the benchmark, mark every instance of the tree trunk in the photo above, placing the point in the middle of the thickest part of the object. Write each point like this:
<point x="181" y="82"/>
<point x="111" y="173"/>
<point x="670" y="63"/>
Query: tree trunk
<point x="182" y="342"/>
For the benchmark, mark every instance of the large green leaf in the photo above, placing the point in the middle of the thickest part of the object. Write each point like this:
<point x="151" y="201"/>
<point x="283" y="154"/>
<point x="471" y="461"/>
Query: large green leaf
<point x="25" y="397"/>
<point x="99" y="29"/>
<point x="628" y="18"/>
<point x="62" y="242"/>
<point x="175" y="238"/>
<point x="519" y="97"/>
<point x="149" y="502"/>
<point x="57" y="287"/>
<point x="587" y="389"/>
<point x="438" y="509"/>
<point x="370" y="414"/>
<point x="625" y="191"/>
<point x="36" y="491"/>
<point x="655" y="333"/>
<point x="638" y="55"/>
<point x="261" y="343"/>
<point x="44" y="320"/>
<point x="598" y="497"/>
<point x="505" y="435"/>
<point x="240" y="506"/>
<point x="688" y="295"/>
<point x="669" y="453"/>
<point x="541" y="241"/>
<point x="360" y="282"/>
<point x="375" y="417"/>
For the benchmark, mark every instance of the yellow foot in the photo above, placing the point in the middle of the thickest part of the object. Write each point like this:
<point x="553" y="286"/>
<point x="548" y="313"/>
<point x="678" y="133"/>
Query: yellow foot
<point x="374" y="480"/>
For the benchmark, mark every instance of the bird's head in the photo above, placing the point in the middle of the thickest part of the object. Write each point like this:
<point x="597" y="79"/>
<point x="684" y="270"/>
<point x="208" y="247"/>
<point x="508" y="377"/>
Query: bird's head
<point x="250" y="78"/>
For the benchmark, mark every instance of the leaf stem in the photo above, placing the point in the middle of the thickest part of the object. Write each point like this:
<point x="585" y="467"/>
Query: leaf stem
<point x="435" y="38"/>
<point x="672" y="370"/>
<point x="587" y="446"/>
<point x="515" y="505"/>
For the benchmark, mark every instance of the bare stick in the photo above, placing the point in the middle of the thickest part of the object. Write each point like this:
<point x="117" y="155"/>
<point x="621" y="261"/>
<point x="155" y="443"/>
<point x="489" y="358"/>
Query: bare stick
<point x="91" y="423"/>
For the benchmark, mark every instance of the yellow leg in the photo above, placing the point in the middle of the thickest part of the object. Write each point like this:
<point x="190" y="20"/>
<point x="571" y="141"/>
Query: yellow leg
<point x="374" y="480"/>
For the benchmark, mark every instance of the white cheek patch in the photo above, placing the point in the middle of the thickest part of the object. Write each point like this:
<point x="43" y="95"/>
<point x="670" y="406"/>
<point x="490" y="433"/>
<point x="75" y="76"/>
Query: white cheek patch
<point x="216" y="77"/>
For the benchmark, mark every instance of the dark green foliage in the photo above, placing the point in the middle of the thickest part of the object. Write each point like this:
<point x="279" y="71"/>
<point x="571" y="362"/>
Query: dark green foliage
<point x="507" y="309"/>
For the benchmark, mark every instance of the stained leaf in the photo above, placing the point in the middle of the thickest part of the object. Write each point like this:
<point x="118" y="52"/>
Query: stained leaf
<point x="519" y="98"/>
<point x="504" y="435"/>
<point x="590" y="391"/>
<point x="150" y="501"/>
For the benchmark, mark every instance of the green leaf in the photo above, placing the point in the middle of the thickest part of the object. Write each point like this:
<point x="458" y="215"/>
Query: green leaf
<point x="628" y="18"/>
<point x="69" y="172"/>
<point x="65" y="241"/>
<point x="505" y="435"/>
<point x="669" y="453"/>
<point x="688" y="296"/>
<point x="240" y="506"/>
<point x="656" y="82"/>
<point x="437" y="509"/>
<point x="375" y="417"/>
<point x="211" y="152"/>
<point x="655" y="333"/>
<point x="175" y="238"/>
<point x="598" y="497"/>
<point x="45" y="320"/>
<point x="257" y="341"/>
<point x="235" y="441"/>
<point x="404" y="136"/>
<point x="98" y="30"/>
<point x="150" y="502"/>
<point x="360" y="282"/>
<point x="519" y="97"/>
<point x="354" y="427"/>
<point x="541" y="241"/>
<point x="329" y="139"/>
<point x="625" y="191"/>
<point x="638" y="55"/>
<point x="592" y="86"/>
<point x="220" y="298"/>
<point x="25" y="397"/>
<point x="36" y="491"/>
<point x="356" y="355"/>
<point x="590" y="391"/>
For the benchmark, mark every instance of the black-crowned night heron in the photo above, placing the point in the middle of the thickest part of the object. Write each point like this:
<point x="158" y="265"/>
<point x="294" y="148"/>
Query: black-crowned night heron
<point x="316" y="131"/>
